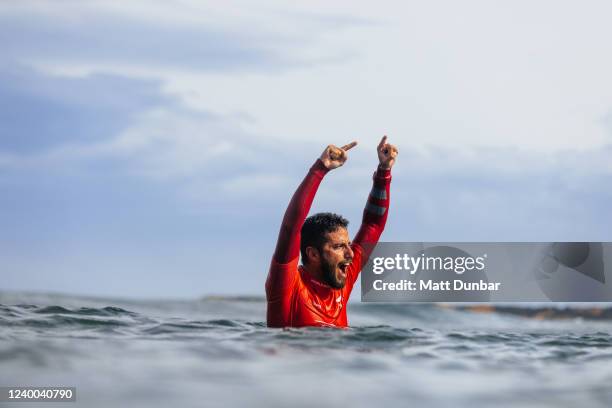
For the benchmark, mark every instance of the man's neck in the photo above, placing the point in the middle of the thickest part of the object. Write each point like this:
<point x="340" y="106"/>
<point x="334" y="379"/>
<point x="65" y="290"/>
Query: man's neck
<point x="314" y="273"/>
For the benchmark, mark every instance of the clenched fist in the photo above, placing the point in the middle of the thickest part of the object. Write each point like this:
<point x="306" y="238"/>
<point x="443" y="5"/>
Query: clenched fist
<point x="386" y="153"/>
<point x="334" y="157"/>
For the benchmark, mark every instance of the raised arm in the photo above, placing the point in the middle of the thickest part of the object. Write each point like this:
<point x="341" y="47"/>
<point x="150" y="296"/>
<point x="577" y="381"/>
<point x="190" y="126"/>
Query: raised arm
<point x="377" y="206"/>
<point x="288" y="244"/>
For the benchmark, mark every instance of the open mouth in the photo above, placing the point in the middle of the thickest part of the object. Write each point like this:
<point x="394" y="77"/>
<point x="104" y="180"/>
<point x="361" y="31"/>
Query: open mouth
<point x="343" y="266"/>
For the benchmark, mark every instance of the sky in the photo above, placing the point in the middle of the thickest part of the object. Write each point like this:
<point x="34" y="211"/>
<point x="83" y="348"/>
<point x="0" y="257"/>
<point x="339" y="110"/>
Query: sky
<point x="149" y="148"/>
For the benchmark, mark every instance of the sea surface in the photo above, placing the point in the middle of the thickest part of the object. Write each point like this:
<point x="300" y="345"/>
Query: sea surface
<point x="217" y="352"/>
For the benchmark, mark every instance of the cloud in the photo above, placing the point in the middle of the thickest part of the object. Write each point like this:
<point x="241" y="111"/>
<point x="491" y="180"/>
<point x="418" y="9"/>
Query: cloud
<point x="39" y="112"/>
<point x="136" y="130"/>
<point x="104" y="40"/>
<point x="194" y="37"/>
<point x="129" y="129"/>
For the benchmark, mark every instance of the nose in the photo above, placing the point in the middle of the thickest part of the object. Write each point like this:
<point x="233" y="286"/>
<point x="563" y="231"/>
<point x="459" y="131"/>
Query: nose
<point x="348" y="252"/>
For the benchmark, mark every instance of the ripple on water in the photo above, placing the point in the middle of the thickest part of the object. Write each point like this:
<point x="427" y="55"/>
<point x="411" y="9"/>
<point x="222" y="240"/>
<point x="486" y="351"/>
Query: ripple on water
<point x="222" y="347"/>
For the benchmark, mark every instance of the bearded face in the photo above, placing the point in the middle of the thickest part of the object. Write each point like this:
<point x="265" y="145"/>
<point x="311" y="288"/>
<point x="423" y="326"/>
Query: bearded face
<point x="336" y="257"/>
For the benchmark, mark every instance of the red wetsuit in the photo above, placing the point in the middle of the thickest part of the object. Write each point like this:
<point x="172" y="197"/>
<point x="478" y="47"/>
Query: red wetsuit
<point x="294" y="298"/>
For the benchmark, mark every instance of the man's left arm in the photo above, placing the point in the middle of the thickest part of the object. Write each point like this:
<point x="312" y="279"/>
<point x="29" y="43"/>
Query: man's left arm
<point x="377" y="207"/>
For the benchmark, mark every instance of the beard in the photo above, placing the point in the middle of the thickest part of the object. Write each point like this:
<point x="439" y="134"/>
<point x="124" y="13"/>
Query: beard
<point x="329" y="275"/>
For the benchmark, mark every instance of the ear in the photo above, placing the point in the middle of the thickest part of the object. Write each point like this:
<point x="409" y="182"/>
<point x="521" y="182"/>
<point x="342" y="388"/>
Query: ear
<point x="313" y="254"/>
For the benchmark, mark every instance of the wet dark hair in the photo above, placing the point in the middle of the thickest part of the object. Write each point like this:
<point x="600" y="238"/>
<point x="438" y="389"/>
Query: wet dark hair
<point x="314" y="229"/>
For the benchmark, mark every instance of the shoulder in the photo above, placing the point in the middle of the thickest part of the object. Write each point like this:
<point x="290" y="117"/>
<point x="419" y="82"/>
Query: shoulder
<point x="282" y="277"/>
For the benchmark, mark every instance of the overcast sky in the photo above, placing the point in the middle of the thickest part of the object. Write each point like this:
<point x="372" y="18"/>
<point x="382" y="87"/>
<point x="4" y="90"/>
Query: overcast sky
<point x="150" y="148"/>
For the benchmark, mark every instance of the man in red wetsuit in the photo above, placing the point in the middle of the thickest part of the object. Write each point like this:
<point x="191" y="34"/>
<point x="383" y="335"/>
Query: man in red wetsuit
<point x="316" y="293"/>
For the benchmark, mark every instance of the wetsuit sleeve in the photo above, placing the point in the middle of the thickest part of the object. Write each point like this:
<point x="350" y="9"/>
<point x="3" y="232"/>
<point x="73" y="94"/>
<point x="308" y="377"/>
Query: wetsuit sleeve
<point x="288" y="244"/>
<point x="374" y="219"/>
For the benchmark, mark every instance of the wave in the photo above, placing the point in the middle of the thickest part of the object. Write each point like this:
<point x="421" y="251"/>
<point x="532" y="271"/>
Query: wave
<point x="542" y="313"/>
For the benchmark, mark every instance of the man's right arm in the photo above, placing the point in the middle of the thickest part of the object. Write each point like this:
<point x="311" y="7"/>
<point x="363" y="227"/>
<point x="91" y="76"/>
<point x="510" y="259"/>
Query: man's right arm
<point x="283" y="269"/>
<point x="288" y="244"/>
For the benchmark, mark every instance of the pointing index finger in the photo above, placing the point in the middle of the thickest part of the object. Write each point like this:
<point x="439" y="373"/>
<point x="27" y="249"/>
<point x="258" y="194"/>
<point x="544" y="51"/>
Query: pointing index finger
<point x="349" y="146"/>
<point x="382" y="142"/>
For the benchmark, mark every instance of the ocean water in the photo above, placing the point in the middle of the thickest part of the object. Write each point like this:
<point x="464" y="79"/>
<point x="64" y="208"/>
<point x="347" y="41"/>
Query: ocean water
<point x="217" y="352"/>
